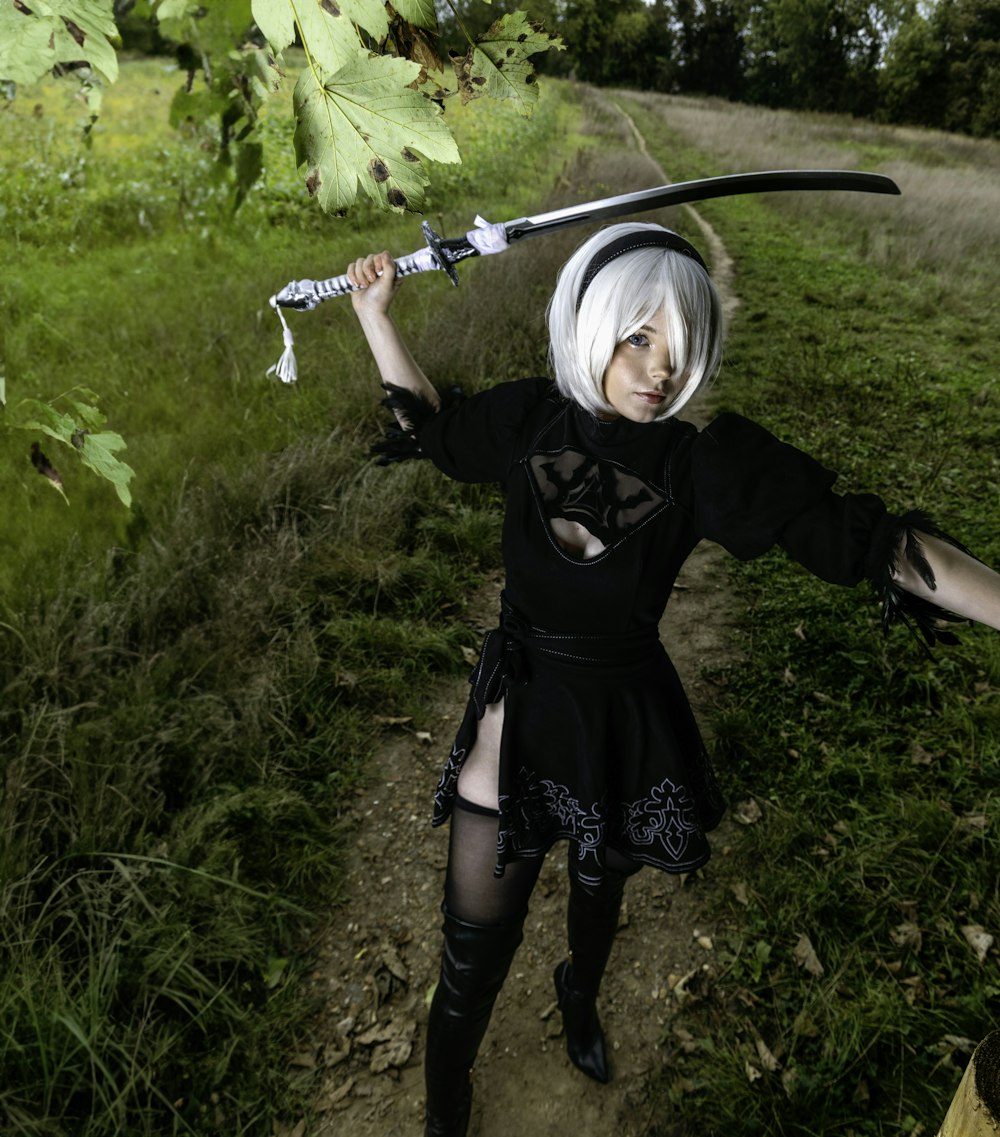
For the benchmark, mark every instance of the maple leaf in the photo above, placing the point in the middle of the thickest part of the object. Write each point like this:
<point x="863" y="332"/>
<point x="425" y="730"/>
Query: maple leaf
<point x="327" y="27"/>
<point x="363" y="126"/>
<point x="418" y="12"/>
<point x="36" y="37"/>
<point x="498" y="64"/>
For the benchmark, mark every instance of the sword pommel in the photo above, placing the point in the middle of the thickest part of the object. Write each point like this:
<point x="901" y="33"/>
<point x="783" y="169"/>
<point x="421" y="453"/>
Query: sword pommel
<point x="299" y="295"/>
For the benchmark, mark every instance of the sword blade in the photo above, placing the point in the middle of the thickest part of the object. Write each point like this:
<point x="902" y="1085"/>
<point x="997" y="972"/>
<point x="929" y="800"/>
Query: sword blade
<point x="442" y="253"/>
<point x="703" y="189"/>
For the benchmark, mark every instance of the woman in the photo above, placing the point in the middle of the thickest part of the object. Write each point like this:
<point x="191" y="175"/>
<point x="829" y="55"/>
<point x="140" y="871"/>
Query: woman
<point x="577" y="726"/>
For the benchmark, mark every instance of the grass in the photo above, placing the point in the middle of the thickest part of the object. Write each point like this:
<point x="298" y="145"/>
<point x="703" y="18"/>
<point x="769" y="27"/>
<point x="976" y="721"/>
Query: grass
<point x="875" y="766"/>
<point x="189" y="691"/>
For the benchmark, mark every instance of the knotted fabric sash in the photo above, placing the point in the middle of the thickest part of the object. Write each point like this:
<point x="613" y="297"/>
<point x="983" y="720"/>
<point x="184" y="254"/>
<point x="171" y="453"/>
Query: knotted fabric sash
<point x="509" y="650"/>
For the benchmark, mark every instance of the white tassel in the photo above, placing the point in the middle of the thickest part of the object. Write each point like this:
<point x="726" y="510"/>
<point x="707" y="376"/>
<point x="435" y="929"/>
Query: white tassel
<point x="286" y="368"/>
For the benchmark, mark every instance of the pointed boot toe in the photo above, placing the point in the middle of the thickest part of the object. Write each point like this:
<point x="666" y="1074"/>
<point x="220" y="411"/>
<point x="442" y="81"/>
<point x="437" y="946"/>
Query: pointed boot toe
<point x="584" y="1036"/>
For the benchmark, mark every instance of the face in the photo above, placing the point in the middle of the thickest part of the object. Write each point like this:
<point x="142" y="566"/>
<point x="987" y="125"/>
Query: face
<point x="638" y="382"/>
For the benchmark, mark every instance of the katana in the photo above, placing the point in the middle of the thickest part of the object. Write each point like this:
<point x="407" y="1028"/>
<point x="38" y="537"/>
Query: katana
<point x="444" y="254"/>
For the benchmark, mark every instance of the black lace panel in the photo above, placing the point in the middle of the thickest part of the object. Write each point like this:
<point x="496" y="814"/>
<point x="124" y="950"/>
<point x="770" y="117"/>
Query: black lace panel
<point x="608" y="501"/>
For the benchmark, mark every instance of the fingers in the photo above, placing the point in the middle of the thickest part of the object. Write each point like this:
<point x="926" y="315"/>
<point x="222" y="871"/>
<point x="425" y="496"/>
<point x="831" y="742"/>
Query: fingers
<point x="366" y="271"/>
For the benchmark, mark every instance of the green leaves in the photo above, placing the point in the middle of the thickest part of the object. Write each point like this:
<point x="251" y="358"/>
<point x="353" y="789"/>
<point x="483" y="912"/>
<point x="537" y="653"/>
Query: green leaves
<point x="498" y="63"/>
<point x="364" y="127"/>
<point x="80" y="430"/>
<point x="418" y="12"/>
<point x="360" y="126"/>
<point x="42" y="34"/>
<point x="362" y="123"/>
<point x="367" y="116"/>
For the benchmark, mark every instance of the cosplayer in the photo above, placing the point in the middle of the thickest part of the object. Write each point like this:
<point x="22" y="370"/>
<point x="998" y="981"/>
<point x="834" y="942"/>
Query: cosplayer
<point x="577" y="726"/>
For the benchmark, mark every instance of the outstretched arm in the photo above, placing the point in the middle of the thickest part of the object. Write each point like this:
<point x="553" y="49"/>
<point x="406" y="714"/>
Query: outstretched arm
<point x="964" y="585"/>
<point x="375" y="276"/>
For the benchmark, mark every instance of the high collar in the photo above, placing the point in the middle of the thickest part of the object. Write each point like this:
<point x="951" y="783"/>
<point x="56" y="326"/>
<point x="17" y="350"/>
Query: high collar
<point x="619" y="431"/>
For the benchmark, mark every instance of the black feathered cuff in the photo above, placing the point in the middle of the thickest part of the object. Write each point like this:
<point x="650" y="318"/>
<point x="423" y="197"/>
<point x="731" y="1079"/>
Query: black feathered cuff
<point x="399" y="442"/>
<point x="902" y="534"/>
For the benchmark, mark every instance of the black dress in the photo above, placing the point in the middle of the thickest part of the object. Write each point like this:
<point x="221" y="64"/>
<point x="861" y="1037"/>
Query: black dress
<point x="599" y="743"/>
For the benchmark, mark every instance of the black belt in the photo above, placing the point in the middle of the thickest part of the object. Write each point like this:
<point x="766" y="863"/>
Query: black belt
<point x="506" y="651"/>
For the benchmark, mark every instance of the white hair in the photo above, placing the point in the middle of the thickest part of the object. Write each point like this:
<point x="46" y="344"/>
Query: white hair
<point x="624" y="295"/>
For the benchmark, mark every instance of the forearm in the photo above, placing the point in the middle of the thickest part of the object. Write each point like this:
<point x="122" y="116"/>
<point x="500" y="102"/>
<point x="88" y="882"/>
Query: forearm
<point x="392" y="357"/>
<point x="964" y="585"/>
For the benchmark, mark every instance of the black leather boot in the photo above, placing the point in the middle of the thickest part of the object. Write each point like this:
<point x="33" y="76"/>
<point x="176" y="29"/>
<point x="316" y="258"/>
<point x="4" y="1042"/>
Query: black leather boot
<point x="474" y="965"/>
<point x="592" y="923"/>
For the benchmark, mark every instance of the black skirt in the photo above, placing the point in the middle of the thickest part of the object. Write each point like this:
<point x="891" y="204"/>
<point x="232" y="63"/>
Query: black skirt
<point x="599" y="746"/>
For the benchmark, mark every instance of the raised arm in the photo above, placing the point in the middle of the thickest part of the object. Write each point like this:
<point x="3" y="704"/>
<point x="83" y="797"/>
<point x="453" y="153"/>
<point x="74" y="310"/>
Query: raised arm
<point x="375" y="276"/>
<point x="964" y="585"/>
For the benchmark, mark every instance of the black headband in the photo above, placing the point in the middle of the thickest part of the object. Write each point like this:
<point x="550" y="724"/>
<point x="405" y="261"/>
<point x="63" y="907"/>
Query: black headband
<point x="642" y="239"/>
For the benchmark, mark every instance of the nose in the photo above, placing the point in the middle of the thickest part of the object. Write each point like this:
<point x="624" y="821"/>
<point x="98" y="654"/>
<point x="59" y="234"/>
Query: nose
<point x="660" y="370"/>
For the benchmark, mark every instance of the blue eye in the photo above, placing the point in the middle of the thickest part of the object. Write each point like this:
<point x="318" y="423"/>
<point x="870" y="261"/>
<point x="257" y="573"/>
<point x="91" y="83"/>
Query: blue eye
<point x="637" y="339"/>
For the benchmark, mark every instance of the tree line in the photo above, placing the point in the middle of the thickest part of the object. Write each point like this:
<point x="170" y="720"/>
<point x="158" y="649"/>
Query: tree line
<point x="928" y="62"/>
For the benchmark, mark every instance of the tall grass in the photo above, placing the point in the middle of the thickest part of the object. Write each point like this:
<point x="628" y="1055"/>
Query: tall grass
<point x="876" y="767"/>
<point x="189" y="691"/>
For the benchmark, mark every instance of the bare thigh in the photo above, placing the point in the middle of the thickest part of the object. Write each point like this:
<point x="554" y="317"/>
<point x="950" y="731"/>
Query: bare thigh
<point x="480" y="776"/>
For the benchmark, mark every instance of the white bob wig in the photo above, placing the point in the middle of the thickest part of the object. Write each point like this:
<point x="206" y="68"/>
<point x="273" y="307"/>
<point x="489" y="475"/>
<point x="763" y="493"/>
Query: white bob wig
<point x="625" y="294"/>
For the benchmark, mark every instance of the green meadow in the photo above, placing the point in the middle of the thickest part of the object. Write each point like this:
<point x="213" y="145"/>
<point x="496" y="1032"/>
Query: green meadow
<point x="189" y="689"/>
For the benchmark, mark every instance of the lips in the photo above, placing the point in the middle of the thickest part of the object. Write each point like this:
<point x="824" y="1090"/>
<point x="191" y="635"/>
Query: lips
<point x="650" y="397"/>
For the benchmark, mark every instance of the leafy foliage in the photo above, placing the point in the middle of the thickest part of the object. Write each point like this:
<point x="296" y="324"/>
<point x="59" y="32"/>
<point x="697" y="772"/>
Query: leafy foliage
<point x="36" y="39"/>
<point x="498" y="63"/>
<point x="80" y="429"/>
<point x="366" y="112"/>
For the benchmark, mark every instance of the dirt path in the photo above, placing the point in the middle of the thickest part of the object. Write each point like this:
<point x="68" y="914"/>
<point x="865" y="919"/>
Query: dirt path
<point x="378" y="963"/>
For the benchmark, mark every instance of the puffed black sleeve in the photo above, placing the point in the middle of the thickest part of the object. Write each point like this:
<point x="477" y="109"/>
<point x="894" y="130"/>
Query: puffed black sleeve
<point x="752" y="492"/>
<point x="470" y="439"/>
<point x="747" y="486"/>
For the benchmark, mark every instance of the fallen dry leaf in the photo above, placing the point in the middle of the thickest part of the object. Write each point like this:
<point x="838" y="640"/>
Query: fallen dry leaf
<point x="747" y="812"/>
<point x="283" y="1129"/>
<point x="907" y="935"/>
<point x="764" y="1052"/>
<point x="805" y="956"/>
<point x="390" y="1055"/>
<point x="329" y="1100"/>
<point x="979" y="939"/>
<point x="740" y="892"/>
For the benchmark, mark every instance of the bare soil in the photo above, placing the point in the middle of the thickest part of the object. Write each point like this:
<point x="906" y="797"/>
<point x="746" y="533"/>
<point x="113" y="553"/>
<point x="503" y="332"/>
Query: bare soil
<point x="378" y="963"/>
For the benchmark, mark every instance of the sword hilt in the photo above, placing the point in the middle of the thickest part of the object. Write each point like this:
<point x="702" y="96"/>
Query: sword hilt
<point x="440" y="253"/>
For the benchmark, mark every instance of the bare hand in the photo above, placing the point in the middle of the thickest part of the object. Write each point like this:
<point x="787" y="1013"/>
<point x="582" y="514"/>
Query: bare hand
<point x="375" y="278"/>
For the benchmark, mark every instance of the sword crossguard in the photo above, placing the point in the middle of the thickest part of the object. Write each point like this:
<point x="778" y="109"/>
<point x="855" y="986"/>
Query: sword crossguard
<point x="447" y="251"/>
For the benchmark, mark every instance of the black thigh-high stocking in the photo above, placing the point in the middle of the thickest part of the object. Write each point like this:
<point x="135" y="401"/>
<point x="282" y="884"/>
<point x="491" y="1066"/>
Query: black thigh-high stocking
<point x="483" y="921"/>
<point x="471" y="891"/>
<point x="592" y="922"/>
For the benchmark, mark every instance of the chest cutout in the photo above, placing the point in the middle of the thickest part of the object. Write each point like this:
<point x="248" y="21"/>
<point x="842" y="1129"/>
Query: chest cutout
<point x="590" y="505"/>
